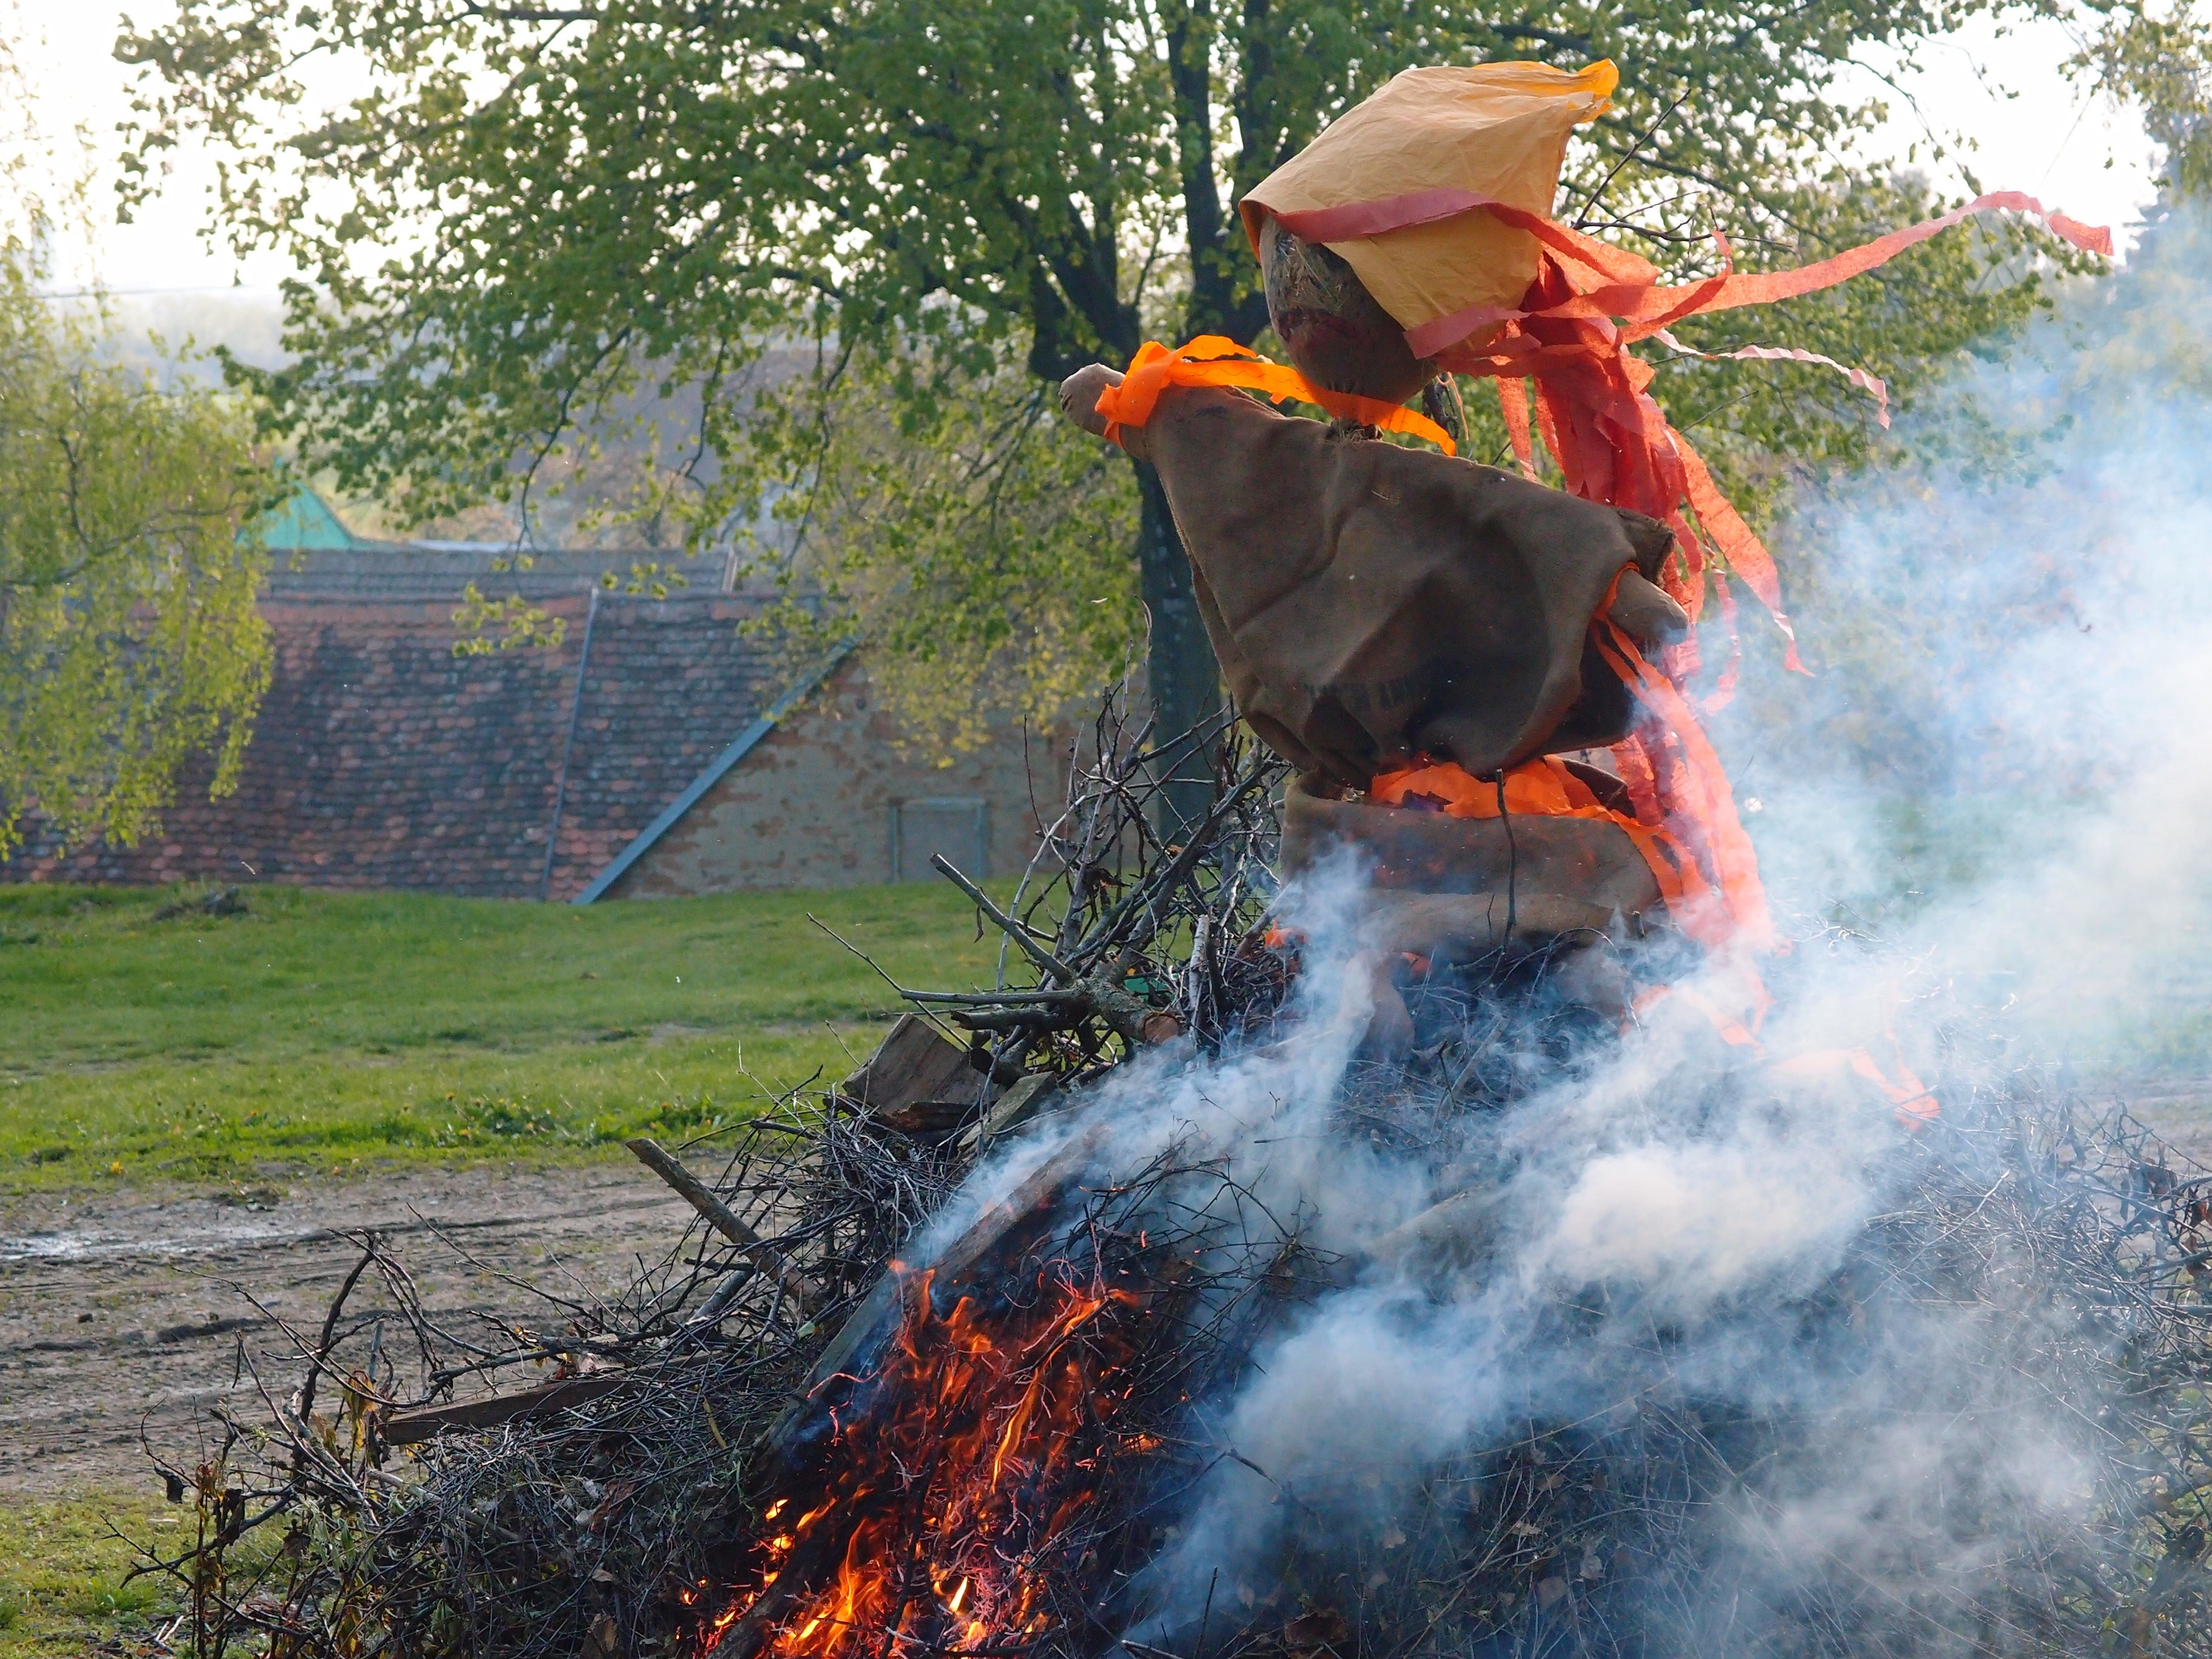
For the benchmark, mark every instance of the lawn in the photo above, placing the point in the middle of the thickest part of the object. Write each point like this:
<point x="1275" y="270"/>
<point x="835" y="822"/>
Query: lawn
<point x="321" y="1029"/>
<point x="65" y="1588"/>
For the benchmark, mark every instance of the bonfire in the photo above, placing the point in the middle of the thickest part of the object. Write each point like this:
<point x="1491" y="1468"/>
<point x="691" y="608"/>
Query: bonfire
<point x="1424" y="1207"/>
<point x="968" y="1362"/>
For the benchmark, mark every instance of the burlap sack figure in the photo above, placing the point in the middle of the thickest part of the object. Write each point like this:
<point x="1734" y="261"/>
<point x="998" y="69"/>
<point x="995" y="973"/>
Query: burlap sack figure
<point x="1370" y="603"/>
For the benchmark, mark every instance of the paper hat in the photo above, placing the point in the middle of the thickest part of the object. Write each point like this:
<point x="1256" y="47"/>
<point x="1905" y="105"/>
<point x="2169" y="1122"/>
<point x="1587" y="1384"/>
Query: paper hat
<point x="1497" y="131"/>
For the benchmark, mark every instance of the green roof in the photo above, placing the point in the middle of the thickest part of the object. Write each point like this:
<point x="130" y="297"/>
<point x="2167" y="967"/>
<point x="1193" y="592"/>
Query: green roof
<point x="304" y="520"/>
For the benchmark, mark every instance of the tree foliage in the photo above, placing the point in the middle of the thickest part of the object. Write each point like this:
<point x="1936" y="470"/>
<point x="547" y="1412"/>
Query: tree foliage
<point x="981" y="542"/>
<point x="597" y="201"/>
<point x="128" y="635"/>
<point x="2160" y="59"/>
<point x="129" y="569"/>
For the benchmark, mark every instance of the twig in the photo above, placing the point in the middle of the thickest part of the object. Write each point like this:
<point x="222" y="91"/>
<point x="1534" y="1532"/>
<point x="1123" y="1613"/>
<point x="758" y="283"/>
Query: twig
<point x="1013" y="930"/>
<point x="719" y="1215"/>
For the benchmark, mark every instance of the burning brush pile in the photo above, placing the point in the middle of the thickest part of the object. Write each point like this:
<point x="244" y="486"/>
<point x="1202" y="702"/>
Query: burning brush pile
<point x="1170" y="1312"/>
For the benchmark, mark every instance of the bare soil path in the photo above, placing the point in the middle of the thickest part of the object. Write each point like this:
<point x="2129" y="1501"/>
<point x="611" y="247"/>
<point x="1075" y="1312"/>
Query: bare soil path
<point x="121" y="1308"/>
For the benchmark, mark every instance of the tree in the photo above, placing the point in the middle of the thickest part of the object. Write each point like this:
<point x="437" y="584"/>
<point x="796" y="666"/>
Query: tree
<point x="128" y="635"/>
<point x="129" y="567"/>
<point x="600" y="195"/>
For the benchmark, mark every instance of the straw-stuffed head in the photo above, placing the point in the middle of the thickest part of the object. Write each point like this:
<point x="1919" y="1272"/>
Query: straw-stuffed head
<point x="1334" y="332"/>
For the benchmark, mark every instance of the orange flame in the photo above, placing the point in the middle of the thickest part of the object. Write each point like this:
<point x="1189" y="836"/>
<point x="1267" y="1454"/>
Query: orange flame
<point x="962" y="1466"/>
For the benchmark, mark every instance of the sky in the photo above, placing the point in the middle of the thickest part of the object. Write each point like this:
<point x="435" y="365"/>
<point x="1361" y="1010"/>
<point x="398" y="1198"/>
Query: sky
<point x="2026" y="127"/>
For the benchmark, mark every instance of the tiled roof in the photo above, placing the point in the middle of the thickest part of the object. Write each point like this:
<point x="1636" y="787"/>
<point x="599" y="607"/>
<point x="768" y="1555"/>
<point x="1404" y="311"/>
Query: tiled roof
<point x="668" y="684"/>
<point x="380" y="759"/>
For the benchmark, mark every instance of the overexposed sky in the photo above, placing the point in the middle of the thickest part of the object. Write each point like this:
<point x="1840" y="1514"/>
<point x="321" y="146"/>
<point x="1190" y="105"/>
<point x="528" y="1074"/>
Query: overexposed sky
<point x="2026" y="126"/>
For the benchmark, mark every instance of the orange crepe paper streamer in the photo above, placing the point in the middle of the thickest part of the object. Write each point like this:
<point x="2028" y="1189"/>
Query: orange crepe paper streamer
<point x="1746" y="554"/>
<point x="1513" y="404"/>
<point x="1216" y="360"/>
<point x="1544" y="788"/>
<point x="1620" y="285"/>
<point x="1723" y="691"/>
<point x="1730" y="1029"/>
<point x="1703" y="812"/>
<point x="1915" y="1101"/>
<point x="1571" y="332"/>
<point x="1873" y="385"/>
<point x="1642" y="784"/>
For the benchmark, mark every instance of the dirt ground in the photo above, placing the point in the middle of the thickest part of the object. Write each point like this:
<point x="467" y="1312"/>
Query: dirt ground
<point x="2178" y="1109"/>
<point x="121" y="1309"/>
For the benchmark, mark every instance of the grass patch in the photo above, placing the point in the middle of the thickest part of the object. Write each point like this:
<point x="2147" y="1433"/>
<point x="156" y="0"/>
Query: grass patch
<point x="325" y="1029"/>
<point x="63" y="1569"/>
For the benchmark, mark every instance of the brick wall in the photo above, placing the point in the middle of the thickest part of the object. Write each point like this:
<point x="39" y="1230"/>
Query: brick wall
<point x="666" y="686"/>
<point x="825" y="800"/>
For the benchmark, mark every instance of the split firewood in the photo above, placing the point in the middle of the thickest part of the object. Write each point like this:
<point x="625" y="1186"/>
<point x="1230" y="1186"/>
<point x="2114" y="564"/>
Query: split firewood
<point x="1448" y="1233"/>
<point x="1012" y="1109"/>
<point x="915" y="1082"/>
<point x="408" y="1428"/>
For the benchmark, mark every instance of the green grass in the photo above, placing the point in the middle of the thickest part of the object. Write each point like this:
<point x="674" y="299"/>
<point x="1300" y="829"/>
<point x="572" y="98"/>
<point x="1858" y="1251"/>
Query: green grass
<point x="321" y="1029"/>
<point x="62" y="1588"/>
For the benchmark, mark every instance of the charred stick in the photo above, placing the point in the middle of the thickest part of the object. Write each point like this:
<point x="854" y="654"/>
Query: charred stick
<point x="996" y="999"/>
<point x="1022" y="1019"/>
<point x="719" y="1215"/>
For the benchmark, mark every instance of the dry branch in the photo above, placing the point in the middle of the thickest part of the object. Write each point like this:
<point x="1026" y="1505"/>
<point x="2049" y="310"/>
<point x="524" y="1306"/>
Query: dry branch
<point x="718" y="1215"/>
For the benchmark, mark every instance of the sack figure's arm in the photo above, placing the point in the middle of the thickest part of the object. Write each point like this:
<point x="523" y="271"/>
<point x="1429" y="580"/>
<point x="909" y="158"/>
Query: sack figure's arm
<point x="1079" y="401"/>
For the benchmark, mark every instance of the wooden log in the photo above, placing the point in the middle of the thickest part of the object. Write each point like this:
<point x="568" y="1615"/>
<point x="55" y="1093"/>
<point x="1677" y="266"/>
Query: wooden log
<point x="1015" y="1108"/>
<point x="408" y="1428"/>
<point x="1447" y="1234"/>
<point x="915" y="1082"/>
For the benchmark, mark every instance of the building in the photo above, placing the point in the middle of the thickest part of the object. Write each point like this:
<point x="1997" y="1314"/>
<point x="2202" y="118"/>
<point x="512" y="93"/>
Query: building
<point x="657" y="750"/>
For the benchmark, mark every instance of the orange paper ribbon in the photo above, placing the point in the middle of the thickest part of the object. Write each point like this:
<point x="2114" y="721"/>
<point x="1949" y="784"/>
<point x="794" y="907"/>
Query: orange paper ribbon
<point x="1216" y="360"/>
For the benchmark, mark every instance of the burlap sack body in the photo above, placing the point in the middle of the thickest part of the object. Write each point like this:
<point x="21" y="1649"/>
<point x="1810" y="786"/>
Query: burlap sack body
<point x="1370" y="603"/>
<point x="1446" y="886"/>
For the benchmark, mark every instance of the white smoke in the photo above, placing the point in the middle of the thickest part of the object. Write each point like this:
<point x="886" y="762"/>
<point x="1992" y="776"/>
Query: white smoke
<point x="2007" y="784"/>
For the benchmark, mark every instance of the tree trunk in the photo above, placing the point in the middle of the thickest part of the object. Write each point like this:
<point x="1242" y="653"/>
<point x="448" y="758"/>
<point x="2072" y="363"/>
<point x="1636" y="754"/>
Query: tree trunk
<point x="1185" y="680"/>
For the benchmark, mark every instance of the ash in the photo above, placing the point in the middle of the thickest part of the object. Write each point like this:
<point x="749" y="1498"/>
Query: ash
<point x="1243" y="1338"/>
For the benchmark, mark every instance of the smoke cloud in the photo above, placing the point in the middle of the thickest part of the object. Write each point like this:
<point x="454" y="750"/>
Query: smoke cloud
<point x="1991" y="801"/>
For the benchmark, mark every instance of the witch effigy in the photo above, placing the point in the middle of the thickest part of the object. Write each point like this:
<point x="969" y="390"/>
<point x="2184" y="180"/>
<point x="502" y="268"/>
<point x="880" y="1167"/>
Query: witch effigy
<point x="1410" y="630"/>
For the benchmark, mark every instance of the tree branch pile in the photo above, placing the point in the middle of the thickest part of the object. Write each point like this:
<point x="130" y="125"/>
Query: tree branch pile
<point x="844" y="1333"/>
